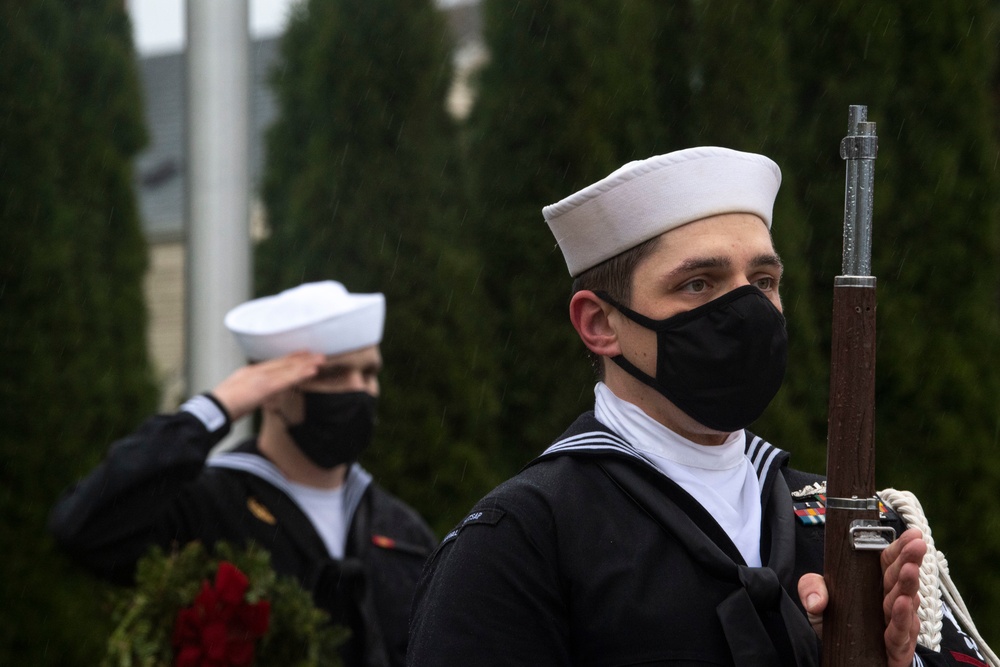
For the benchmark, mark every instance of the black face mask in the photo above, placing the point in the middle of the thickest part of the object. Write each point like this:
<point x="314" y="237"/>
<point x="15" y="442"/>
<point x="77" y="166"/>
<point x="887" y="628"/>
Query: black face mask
<point x="337" y="426"/>
<point x="722" y="362"/>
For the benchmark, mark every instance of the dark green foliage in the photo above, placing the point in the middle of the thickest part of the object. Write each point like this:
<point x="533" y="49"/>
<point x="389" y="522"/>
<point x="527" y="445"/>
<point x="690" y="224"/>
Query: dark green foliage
<point x="72" y="321"/>
<point x="574" y="89"/>
<point x="361" y="187"/>
<point x="935" y="243"/>
<point x="571" y="92"/>
<point x="482" y="366"/>
<point x="566" y="99"/>
<point x="298" y="634"/>
<point x="744" y="99"/>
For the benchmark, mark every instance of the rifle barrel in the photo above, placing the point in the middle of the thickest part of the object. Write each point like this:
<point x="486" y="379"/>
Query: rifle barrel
<point x="859" y="148"/>
<point x="853" y="625"/>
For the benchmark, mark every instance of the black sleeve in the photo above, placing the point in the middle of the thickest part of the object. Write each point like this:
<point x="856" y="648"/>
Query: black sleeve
<point x="957" y="648"/>
<point x="491" y="595"/>
<point x="108" y="520"/>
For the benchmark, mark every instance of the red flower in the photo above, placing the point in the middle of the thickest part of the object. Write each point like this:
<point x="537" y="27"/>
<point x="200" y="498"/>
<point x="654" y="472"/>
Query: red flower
<point x="207" y="598"/>
<point x="187" y="628"/>
<point x="188" y="656"/>
<point x="240" y="654"/>
<point x="220" y="628"/>
<point x="230" y="583"/>
<point x="255" y="617"/>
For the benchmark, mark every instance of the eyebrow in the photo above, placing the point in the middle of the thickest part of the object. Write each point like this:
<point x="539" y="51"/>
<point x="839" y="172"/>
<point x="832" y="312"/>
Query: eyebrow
<point x="701" y="263"/>
<point x="336" y="367"/>
<point x="768" y="259"/>
<point x="331" y="369"/>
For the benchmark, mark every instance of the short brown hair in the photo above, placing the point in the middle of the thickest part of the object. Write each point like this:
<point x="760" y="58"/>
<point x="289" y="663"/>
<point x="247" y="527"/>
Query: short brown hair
<point x="614" y="276"/>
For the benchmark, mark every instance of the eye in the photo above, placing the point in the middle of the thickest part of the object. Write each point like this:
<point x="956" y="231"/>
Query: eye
<point x="331" y="373"/>
<point x="697" y="286"/>
<point x="765" y="283"/>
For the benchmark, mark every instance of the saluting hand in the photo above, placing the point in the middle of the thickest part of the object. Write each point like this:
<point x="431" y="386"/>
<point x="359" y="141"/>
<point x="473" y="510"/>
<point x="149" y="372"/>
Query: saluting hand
<point x="248" y="387"/>
<point x="901" y="588"/>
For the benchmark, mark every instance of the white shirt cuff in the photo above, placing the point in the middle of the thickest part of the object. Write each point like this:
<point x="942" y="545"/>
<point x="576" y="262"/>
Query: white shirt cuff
<point x="207" y="412"/>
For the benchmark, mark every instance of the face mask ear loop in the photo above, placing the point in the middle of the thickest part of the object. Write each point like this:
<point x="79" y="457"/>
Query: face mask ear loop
<point x="620" y="359"/>
<point x="632" y="370"/>
<point x="638" y="318"/>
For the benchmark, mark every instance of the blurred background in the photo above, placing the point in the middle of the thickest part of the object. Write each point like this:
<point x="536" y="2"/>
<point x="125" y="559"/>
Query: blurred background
<point x="407" y="147"/>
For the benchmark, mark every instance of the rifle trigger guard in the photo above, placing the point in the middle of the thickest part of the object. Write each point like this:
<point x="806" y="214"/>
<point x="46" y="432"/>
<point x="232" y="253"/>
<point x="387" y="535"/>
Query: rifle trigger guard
<point x="868" y="535"/>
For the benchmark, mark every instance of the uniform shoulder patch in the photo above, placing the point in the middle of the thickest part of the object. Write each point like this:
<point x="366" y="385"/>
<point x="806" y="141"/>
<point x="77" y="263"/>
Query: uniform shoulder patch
<point x="489" y="517"/>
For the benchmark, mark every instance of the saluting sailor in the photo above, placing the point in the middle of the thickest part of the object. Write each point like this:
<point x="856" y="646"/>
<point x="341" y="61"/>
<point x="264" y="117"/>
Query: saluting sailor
<point x="296" y="489"/>
<point x="657" y="530"/>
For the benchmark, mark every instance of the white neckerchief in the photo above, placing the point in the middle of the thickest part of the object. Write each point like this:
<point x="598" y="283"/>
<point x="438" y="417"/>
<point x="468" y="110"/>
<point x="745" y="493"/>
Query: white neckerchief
<point x="325" y="509"/>
<point x="721" y="478"/>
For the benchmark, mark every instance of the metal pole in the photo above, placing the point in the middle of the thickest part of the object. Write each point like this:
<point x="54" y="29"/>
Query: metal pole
<point x="218" y="184"/>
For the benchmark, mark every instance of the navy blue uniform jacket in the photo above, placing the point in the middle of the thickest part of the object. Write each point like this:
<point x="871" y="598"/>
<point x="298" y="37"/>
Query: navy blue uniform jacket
<point x="154" y="488"/>
<point x="590" y="556"/>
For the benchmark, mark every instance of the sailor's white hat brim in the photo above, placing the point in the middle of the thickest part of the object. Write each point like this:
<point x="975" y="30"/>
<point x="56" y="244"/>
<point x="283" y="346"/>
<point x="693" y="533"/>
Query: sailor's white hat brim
<point x="646" y="198"/>
<point x="318" y="317"/>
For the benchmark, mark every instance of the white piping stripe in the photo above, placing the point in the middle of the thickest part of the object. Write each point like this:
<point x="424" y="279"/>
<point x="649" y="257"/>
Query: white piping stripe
<point x="760" y="457"/>
<point x="594" y="435"/>
<point x="775" y="452"/>
<point x="597" y="441"/>
<point x="764" y="454"/>
<point x="761" y="453"/>
<point x="753" y="446"/>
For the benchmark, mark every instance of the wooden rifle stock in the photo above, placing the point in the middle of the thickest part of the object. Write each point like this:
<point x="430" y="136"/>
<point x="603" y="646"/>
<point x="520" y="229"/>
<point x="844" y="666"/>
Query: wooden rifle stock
<point x="854" y="625"/>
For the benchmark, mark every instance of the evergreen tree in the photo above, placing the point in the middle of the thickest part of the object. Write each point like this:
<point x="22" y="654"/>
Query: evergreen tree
<point x="777" y="78"/>
<point x="361" y="186"/>
<point x="572" y="91"/>
<point x="925" y="71"/>
<point x="75" y="373"/>
<point x="744" y="99"/>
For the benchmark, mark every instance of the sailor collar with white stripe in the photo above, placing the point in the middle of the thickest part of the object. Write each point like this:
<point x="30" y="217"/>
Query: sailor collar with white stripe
<point x="356" y="480"/>
<point x="593" y="437"/>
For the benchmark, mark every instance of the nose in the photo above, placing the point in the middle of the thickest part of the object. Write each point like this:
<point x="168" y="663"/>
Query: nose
<point x="356" y="381"/>
<point x="364" y="381"/>
<point x="738" y="281"/>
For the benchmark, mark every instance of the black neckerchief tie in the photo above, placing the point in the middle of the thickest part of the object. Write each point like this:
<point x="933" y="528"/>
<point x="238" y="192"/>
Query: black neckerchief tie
<point x="760" y="620"/>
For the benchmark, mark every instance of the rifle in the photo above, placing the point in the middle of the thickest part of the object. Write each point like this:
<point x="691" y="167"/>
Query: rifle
<point x="854" y="625"/>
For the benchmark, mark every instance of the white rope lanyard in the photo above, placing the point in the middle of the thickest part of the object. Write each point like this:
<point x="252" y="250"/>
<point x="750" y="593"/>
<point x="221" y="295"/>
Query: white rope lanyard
<point x="935" y="581"/>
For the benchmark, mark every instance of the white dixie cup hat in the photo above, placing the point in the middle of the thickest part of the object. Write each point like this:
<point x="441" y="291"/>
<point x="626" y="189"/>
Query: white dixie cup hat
<point x="646" y="198"/>
<point x="319" y="317"/>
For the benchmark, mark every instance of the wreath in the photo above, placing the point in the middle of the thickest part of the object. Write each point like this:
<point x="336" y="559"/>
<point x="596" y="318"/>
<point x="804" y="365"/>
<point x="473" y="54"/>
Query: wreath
<point x="225" y="608"/>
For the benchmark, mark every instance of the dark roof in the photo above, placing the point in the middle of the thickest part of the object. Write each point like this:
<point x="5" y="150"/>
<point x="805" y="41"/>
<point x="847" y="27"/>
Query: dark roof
<point x="159" y="169"/>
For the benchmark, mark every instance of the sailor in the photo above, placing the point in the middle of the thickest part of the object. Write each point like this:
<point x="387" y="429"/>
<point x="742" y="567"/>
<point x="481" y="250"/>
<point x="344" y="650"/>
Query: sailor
<point x="296" y="489"/>
<point x="657" y="530"/>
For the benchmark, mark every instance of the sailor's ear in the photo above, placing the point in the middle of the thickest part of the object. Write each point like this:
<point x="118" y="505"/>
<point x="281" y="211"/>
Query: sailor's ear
<point x="591" y="317"/>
